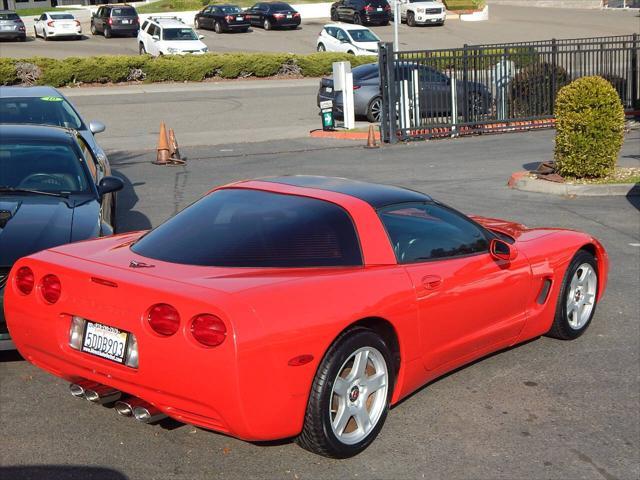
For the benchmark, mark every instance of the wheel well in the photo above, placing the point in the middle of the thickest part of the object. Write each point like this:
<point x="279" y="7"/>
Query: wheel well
<point x="387" y="332"/>
<point x="590" y="248"/>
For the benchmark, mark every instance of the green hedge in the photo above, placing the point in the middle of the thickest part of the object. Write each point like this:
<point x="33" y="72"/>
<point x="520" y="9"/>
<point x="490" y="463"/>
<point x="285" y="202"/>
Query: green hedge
<point x="120" y="68"/>
<point x="589" y="128"/>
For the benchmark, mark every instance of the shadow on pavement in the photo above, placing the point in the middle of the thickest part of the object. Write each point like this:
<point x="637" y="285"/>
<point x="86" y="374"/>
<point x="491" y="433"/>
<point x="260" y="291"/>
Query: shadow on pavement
<point x="634" y="196"/>
<point x="60" y="472"/>
<point x="127" y="218"/>
<point x="9" y="356"/>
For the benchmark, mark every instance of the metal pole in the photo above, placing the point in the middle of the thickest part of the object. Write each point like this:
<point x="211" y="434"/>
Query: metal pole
<point x="396" y="25"/>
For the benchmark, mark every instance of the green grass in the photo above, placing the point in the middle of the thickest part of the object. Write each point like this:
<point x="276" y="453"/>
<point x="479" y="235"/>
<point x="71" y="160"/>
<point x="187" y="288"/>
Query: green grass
<point x="464" y="4"/>
<point x="32" y="12"/>
<point x="163" y="6"/>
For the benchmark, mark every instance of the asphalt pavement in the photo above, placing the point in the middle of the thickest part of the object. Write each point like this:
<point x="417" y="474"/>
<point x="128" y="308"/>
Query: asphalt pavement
<point x="547" y="409"/>
<point x="506" y="24"/>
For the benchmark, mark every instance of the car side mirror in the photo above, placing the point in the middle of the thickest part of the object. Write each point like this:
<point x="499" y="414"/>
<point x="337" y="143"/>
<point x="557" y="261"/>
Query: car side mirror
<point x="501" y="250"/>
<point x="97" y="127"/>
<point x="109" y="184"/>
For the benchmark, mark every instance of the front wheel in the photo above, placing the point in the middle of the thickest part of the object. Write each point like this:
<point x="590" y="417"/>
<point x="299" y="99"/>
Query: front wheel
<point x="321" y="48"/>
<point x="357" y="19"/>
<point x="196" y="24"/>
<point x="374" y="110"/>
<point x="577" y="300"/>
<point x="217" y="27"/>
<point x="350" y="396"/>
<point x="93" y="29"/>
<point x="411" y="19"/>
<point x="334" y="15"/>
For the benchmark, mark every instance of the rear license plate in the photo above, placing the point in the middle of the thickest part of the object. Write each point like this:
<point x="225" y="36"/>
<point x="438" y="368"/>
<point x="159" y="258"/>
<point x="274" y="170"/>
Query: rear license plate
<point x="126" y="21"/>
<point x="6" y="27"/>
<point x="106" y="342"/>
<point x="379" y="9"/>
<point x="239" y="18"/>
<point x="66" y="26"/>
<point x="328" y="89"/>
<point x="289" y="16"/>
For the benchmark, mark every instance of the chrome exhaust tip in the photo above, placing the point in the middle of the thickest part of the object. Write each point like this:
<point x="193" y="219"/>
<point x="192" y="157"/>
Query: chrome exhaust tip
<point x="148" y="414"/>
<point x="102" y="394"/>
<point x="126" y="405"/>
<point x="78" y="389"/>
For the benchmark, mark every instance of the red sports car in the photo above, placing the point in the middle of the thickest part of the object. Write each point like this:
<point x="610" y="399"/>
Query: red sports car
<point x="296" y="306"/>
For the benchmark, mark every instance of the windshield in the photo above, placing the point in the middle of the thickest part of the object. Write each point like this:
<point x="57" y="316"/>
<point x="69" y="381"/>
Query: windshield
<point x="61" y="16"/>
<point x="40" y="111"/>
<point x="252" y="228"/>
<point x="231" y="9"/>
<point x="123" y="12"/>
<point x="9" y="16"/>
<point x="363" y="36"/>
<point x="179" y="34"/>
<point x="43" y="166"/>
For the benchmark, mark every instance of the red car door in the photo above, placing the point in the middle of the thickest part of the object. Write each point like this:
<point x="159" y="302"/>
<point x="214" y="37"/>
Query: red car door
<point x="468" y="301"/>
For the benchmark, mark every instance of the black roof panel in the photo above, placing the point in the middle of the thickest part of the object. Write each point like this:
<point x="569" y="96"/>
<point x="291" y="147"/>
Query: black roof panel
<point x="374" y="194"/>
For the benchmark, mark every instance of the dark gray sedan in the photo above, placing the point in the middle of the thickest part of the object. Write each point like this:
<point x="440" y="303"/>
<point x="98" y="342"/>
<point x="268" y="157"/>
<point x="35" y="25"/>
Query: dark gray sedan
<point x="11" y="26"/>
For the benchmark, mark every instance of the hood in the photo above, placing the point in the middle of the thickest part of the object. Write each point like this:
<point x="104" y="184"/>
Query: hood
<point x="39" y="222"/>
<point x="183" y="45"/>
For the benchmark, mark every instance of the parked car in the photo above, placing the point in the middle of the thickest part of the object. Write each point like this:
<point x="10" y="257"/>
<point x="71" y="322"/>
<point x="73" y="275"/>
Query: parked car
<point x="353" y="39"/>
<point x="435" y="92"/>
<point x="169" y="36"/>
<point x="47" y="106"/>
<point x="113" y="20"/>
<point x="418" y="12"/>
<point x="361" y="12"/>
<point x="50" y="193"/>
<point x="222" y="18"/>
<point x="270" y="15"/>
<point x="315" y="304"/>
<point x="12" y="26"/>
<point x="57" y="25"/>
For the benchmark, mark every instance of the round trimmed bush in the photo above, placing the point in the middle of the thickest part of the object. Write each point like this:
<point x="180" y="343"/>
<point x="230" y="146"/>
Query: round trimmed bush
<point x="589" y="128"/>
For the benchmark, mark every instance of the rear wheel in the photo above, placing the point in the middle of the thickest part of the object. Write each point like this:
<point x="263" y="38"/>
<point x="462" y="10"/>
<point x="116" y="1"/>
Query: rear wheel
<point x="321" y="48"/>
<point x="350" y="396"/>
<point x="142" y="50"/>
<point x="411" y="19"/>
<point x="107" y="32"/>
<point x="577" y="300"/>
<point x="267" y="24"/>
<point x="350" y="52"/>
<point x="217" y="27"/>
<point x="35" y="32"/>
<point x="357" y="19"/>
<point x="44" y="34"/>
<point x="374" y="110"/>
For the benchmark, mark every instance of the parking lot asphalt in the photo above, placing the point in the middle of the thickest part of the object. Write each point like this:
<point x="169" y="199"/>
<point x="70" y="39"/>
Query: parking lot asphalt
<point x="506" y="24"/>
<point x="545" y="409"/>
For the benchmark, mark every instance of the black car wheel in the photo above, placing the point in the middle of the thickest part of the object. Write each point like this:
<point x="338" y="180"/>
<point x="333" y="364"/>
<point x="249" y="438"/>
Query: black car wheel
<point x="334" y="15"/>
<point x="107" y="32"/>
<point x="44" y="34"/>
<point x="374" y="110"/>
<point x="93" y="29"/>
<point x="35" y="32"/>
<point x="321" y="48"/>
<point x="267" y="24"/>
<point x="351" y="52"/>
<point x="357" y="19"/>
<point x="217" y="27"/>
<point x="349" y="398"/>
<point x="411" y="19"/>
<point x="142" y="50"/>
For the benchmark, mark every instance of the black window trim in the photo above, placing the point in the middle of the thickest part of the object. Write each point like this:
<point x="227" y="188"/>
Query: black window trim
<point x="488" y="234"/>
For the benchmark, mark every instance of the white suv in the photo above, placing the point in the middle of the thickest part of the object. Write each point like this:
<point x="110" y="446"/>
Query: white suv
<point x="418" y="12"/>
<point x="168" y="36"/>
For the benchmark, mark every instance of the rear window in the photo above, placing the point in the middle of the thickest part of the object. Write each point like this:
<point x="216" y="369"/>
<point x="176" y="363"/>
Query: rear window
<point x="365" y="72"/>
<point x="123" y="12"/>
<point x="280" y="7"/>
<point x="61" y="16"/>
<point x="252" y="228"/>
<point x="9" y="16"/>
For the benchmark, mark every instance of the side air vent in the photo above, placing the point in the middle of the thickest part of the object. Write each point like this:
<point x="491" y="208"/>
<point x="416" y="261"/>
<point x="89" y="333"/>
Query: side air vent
<point x="544" y="291"/>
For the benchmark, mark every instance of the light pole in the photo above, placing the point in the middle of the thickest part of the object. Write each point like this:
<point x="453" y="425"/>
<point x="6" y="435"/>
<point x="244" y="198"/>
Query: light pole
<point x="396" y="25"/>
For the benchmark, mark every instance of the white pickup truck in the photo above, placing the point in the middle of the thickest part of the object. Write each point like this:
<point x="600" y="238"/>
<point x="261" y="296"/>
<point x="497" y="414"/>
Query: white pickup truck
<point x="416" y="12"/>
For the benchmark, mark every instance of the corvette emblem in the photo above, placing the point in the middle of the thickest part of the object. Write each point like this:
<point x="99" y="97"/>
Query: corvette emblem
<point x="135" y="264"/>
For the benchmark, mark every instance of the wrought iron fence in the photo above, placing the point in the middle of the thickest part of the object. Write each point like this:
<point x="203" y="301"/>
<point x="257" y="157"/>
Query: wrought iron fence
<point x="497" y="87"/>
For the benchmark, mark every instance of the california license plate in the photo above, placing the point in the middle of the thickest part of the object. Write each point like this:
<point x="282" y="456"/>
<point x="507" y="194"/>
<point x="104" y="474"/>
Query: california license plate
<point x="379" y="9"/>
<point x="6" y="27"/>
<point x="239" y="18"/>
<point x="328" y="89"/>
<point x="105" y="341"/>
<point x="289" y="16"/>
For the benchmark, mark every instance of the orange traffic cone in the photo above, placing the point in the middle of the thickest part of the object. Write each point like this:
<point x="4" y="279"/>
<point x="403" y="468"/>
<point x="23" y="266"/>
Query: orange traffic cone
<point x="174" y="151"/>
<point x="162" y="156"/>
<point x="371" y="139"/>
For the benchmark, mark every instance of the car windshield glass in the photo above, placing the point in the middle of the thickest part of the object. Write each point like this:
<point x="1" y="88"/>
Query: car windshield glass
<point x="251" y="228"/>
<point x="281" y="7"/>
<point x="9" y="16"/>
<point x="363" y="36"/>
<point x="46" y="110"/>
<point x="61" y="16"/>
<point x="231" y="9"/>
<point x="123" y="12"/>
<point x="179" y="34"/>
<point x="43" y="166"/>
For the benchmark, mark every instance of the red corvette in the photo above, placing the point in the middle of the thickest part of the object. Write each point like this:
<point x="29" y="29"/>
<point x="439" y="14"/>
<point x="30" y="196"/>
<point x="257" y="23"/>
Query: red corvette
<point x="296" y="306"/>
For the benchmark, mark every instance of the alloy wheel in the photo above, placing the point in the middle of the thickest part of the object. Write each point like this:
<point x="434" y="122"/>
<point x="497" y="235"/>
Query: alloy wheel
<point x="581" y="296"/>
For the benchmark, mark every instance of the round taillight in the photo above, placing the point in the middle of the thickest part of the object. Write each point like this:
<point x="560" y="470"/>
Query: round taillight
<point x="164" y="319"/>
<point x="25" y="280"/>
<point x="50" y="288"/>
<point x="209" y="330"/>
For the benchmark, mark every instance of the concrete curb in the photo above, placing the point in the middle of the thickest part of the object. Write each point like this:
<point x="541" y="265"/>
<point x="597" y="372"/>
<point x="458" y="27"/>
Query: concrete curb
<point x="343" y="135"/>
<point x="523" y="181"/>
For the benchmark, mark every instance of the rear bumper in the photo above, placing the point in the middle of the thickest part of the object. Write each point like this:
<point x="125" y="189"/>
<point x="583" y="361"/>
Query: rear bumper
<point x="65" y="33"/>
<point x="124" y="29"/>
<point x="12" y="34"/>
<point x="376" y="19"/>
<point x="286" y="22"/>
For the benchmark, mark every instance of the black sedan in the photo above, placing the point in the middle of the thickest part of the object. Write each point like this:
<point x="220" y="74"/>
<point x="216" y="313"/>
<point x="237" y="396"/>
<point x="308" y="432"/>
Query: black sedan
<point x="270" y="15"/>
<point x="222" y="18"/>
<point x="51" y="193"/>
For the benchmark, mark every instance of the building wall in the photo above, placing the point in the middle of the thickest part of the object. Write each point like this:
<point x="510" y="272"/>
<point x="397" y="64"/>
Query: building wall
<point x="19" y="4"/>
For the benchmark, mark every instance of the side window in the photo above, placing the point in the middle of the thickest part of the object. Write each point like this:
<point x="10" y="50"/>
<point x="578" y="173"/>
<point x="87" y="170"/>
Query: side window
<point x="144" y="25"/>
<point x="331" y="31"/>
<point x="341" y="35"/>
<point x="426" y="231"/>
<point x="90" y="161"/>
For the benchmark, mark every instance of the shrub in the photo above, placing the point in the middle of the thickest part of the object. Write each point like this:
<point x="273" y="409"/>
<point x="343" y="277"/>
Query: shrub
<point x="8" y="74"/>
<point x="533" y="89"/>
<point x="589" y="128"/>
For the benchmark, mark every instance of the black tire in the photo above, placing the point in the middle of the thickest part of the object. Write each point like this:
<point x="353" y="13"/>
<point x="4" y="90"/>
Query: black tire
<point x="561" y="328"/>
<point x="217" y="27"/>
<point x="357" y="19"/>
<point x="35" y="32"/>
<point x="441" y="23"/>
<point x="321" y="47"/>
<point x="44" y="35"/>
<point x="266" y="24"/>
<point x="142" y="50"/>
<point x="374" y="110"/>
<point x="107" y="32"/>
<point x="411" y="19"/>
<point x="334" y="15"/>
<point x="351" y="52"/>
<point x="317" y="434"/>
<point x="196" y="24"/>
<point x="93" y="29"/>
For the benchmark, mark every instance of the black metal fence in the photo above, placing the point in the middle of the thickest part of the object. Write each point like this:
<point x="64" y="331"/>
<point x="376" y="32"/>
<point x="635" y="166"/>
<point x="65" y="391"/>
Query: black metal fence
<point x="497" y="87"/>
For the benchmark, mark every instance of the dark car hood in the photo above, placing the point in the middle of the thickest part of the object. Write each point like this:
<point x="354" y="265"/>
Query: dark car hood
<point x="41" y="222"/>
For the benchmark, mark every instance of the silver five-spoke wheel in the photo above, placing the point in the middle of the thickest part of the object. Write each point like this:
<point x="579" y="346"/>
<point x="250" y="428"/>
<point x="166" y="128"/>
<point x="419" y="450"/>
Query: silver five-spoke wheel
<point x="581" y="296"/>
<point x="359" y="395"/>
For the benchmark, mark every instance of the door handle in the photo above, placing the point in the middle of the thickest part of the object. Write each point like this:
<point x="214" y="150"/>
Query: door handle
<point x="431" y="281"/>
